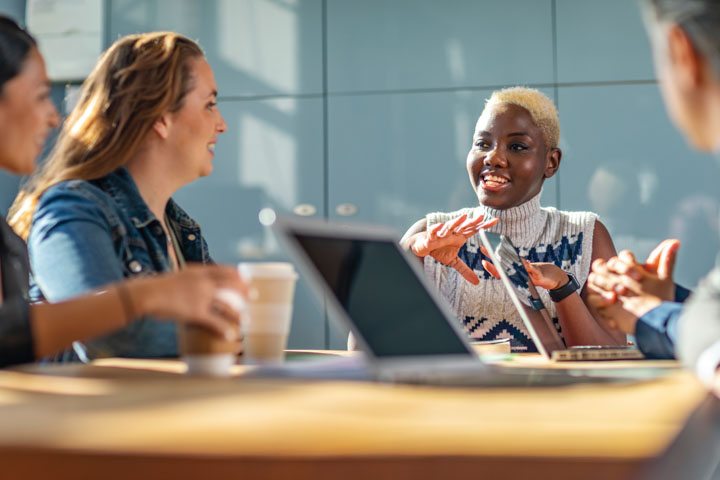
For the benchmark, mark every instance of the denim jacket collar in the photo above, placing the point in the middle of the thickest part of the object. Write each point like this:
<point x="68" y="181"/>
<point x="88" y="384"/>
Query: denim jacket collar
<point x="121" y="186"/>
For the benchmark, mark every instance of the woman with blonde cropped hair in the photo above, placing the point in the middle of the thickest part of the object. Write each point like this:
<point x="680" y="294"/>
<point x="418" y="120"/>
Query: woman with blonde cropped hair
<point x="100" y="208"/>
<point x="514" y="150"/>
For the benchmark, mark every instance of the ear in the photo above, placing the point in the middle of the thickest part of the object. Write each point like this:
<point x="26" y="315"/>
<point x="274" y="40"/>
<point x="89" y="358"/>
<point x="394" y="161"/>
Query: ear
<point x="686" y="61"/>
<point x="552" y="162"/>
<point x="162" y="126"/>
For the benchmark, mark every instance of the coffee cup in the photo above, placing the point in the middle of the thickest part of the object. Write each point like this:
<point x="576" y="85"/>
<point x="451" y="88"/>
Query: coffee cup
<point x="206" y="352"/>
<point x="266" y="317"/>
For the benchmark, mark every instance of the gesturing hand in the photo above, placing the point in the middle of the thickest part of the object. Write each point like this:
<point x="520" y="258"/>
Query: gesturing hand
<point x="638" y="287"/>
<point x="442" y="241"/>
<point x="542" y="274"/>
<point x="656" y="274"/>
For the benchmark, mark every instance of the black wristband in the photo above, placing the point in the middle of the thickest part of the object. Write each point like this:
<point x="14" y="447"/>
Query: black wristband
<point x="560" y="293"/>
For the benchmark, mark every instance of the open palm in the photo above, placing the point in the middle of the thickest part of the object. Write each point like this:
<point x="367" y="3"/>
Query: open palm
<point x="443" y="241"/>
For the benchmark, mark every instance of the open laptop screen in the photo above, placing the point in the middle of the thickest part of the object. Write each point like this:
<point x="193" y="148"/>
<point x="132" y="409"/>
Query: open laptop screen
<point x="382" y="295"/>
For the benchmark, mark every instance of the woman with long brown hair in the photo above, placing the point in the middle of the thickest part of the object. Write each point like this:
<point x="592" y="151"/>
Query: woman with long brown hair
<point x="29" y="331"/>
<point x="100" y="208"/>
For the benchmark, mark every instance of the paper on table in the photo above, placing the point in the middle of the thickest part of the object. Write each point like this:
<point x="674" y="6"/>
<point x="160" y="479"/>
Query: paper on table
<point x="353" y="367"/>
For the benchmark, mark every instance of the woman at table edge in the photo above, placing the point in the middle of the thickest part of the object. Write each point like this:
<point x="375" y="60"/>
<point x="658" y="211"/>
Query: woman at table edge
<point x="29" y="331"/>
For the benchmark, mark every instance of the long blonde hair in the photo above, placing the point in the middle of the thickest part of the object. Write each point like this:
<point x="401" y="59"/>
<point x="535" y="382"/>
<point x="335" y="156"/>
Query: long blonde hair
<point x="136" y="80"/>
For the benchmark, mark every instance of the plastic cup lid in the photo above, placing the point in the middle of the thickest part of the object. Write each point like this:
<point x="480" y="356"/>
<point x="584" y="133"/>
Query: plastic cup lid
<point x="267" y="269"/>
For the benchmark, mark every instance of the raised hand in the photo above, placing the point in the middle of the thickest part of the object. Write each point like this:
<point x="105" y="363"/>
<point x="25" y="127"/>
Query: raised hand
<point x="635" y="296"/>
<point x="656" y="274"/>
<point x="623" y="275"/>
<point x="546" y="275"/>
<point x="442" y="241"/>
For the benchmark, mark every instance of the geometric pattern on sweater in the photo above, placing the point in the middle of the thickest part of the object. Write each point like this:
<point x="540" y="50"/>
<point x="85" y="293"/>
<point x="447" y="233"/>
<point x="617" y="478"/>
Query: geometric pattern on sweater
<point x="519" y="341"/>
<point x="539" y="235"/>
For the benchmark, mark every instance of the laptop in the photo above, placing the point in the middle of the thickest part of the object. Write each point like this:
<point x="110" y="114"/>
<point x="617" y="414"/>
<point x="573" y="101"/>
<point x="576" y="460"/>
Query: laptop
<point x="534" y="315"/>
<point x="405" y="329"/>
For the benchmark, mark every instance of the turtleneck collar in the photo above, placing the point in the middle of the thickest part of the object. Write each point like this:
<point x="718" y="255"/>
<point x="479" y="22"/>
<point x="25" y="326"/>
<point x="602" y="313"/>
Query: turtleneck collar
<point x="522" y="224"/>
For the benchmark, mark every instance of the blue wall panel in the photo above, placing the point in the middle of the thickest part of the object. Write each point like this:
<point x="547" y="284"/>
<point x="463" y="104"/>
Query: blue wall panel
<point x="410" y="44"/>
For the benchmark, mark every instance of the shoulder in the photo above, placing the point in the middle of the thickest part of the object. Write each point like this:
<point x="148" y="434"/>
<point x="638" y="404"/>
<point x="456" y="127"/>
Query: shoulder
<point x="73" y="200"/>
<point x="602" y="244"/>
<point x="72" y="191"/>
<point x="596" y="237"/>
<point x="564" y="223"/>
<point x="573" y="218"/>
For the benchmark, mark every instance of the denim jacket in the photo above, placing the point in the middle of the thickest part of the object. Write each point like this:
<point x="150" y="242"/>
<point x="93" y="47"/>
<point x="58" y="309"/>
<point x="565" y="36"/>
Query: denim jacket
<point x="86" y="234"/>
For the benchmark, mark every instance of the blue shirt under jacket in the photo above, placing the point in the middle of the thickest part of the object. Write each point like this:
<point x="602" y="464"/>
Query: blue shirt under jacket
<point x="656" y="331"/>
<point x="87" y="234"/>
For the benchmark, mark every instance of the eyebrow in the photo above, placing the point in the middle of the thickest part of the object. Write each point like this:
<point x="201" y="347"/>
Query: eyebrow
<point x="213" y="93"/>
<point x="513" y="134"/>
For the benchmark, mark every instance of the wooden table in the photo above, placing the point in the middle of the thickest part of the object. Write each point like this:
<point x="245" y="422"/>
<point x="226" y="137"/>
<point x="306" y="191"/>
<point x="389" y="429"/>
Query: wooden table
<point x="131" y="419"/>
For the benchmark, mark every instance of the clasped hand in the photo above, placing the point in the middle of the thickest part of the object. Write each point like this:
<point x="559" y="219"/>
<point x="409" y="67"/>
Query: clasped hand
<point x="622" y="289"/>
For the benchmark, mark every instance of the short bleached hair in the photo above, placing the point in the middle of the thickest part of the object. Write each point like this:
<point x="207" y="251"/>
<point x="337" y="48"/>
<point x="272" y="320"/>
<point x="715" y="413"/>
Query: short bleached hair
<point x="541" y="109"/>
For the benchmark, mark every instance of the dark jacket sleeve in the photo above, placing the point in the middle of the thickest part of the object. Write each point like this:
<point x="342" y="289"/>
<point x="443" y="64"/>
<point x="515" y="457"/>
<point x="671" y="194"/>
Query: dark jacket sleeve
<point x="656" y="331"/>
<point x="16" y="345"/>
<point x="16" y="342"/>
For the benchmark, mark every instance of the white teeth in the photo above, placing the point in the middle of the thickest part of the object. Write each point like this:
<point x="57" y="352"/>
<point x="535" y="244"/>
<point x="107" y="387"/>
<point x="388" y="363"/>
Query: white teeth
<point x="494" y="179"/>
<point x="211" y="147"/>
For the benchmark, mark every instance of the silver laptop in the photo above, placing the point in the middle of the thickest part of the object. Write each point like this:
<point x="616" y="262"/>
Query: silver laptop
<point x="533" y="312"/>
<point x="378" y="291"/>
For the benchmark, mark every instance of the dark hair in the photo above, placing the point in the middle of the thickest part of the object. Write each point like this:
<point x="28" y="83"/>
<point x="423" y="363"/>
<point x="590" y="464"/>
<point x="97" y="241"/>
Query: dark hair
<point x="15" y="43"/>
<point x="699" y="18"/>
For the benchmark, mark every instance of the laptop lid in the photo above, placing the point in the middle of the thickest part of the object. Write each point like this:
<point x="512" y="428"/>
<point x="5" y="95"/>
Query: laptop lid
<point x="522" y="292"/>
<point x="376" y="290"/>
<point x="533" y="313"/>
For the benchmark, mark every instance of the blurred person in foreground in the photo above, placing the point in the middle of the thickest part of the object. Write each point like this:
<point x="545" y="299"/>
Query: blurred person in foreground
<point x="642" y="299"/>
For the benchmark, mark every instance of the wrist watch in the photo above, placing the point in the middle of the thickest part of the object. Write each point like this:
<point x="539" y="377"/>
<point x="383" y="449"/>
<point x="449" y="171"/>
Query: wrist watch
<point x="560" y="293"/>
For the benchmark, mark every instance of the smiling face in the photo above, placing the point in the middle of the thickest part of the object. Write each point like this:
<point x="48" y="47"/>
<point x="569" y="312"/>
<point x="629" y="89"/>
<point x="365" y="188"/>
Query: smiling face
<point x="509" y="159"/>
<point x="195" y="127"/>
<point x="27" y="115"/>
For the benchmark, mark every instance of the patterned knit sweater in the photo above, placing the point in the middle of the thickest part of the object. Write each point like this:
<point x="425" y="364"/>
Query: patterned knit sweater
<point x="540" y="235"/>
